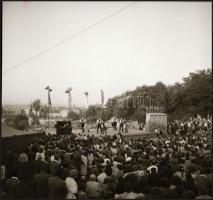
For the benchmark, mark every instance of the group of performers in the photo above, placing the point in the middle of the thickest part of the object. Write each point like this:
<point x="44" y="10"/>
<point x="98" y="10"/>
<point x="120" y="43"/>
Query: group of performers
<point x="119" y="125"/>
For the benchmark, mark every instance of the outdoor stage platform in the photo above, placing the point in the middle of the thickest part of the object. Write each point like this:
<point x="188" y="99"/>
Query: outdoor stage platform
<point x="132" y="133"/>
<point x="8" y="132"/>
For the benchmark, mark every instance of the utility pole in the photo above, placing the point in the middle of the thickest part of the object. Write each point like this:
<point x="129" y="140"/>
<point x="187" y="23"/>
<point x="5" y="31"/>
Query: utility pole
<point x="49" y="101"/>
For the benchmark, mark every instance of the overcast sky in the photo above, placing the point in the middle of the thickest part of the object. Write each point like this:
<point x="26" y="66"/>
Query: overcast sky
<point x="145" y="43"/>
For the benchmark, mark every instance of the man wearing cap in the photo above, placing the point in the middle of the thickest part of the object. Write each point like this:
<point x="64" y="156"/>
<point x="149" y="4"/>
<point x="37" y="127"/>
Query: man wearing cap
<point x="92" y="187"/>
<point x="56" y="185"/>
<point x="40" y="182"/>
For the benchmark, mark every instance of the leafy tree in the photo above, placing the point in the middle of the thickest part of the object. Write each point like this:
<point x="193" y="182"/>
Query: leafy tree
<point x="21" y="121"/>
<point x="180" y="100"/>
<point x="73" y="115"/>
<point x="37" y="106"/>
<point x="93" y="111"/>
<point x="43" y="112"/>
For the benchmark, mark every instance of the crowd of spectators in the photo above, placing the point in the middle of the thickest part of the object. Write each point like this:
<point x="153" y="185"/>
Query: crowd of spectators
<point x="194" y="124"/>
<point x="176" y="165"/>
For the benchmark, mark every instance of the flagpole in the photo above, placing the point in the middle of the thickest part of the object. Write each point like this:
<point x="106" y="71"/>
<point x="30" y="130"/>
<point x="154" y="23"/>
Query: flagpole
<point x="48" y="115"/>
<point x="49" y="103"/>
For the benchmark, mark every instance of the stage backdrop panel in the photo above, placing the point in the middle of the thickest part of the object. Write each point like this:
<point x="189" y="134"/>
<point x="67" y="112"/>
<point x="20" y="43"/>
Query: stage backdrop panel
<point x="156" y="121"/>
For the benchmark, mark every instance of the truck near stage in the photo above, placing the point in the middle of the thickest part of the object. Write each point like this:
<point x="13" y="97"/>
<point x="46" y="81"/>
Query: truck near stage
<point x="63" y="127"/>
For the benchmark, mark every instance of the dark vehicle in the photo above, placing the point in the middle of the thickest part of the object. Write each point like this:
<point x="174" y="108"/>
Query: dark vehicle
<point x="63" y="127"/>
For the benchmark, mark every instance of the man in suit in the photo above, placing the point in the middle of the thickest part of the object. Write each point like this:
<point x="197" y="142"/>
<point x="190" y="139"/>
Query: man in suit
<point x="57" y="186"/>
<point x="13" y="186"/>
<point x="153" y="178"/>
<point x="40" y="183"/>
<point x="54" y="164"/>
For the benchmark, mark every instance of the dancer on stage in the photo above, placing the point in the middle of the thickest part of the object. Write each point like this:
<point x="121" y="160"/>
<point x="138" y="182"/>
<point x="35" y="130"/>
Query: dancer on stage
<point x="82" y="121"/>
<point x="121" y="127"/>
<point x="98" y="125"/>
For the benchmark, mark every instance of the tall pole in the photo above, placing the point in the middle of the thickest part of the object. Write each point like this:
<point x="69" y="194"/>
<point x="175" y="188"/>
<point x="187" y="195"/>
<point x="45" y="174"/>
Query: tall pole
<point x="144" y="98"/>
<point x="86" y="99"/>
<point x="49" y="102"/>
<point x="68" y="91"/>
<point x="48" y="118"/>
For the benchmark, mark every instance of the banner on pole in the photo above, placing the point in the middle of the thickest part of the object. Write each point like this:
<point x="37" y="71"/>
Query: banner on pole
<point x="102" y="97"/>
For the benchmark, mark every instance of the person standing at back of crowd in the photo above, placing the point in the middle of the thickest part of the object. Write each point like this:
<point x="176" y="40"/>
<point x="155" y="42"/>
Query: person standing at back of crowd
<point x="13" y="186"/>
<point x="40" y="183"/>
<point x="114" y="124"/>
<point x="57" y="186"/>
<point x="98" y="125"/>
<point x="82" y="124"/>
<point x="84" y="163"/>
<point x="72" y="186"/>
<point x="103" y="127"/>
<point x="125" y="126"/>
<point x="121" y="128"/>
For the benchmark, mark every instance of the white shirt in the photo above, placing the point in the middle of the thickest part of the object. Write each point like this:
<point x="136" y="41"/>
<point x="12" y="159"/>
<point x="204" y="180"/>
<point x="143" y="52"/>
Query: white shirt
<point x="40" y="154"/>
<point x="52" y="158"/>
<point x="153" y="166"/>
<point x="72" y="188"/>
<point x="101" y="177"/>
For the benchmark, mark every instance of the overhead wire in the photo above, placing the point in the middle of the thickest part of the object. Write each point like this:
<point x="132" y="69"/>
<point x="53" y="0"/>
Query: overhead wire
<point x="69" y="38"/>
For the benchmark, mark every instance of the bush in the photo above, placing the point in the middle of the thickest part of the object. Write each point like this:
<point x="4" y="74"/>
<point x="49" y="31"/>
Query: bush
<point x="73" y="115"/>
<point x="21" y="122"/>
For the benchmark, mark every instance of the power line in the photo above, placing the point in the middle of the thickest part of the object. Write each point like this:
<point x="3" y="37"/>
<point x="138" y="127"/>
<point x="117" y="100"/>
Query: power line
<point x="69" y="38"/>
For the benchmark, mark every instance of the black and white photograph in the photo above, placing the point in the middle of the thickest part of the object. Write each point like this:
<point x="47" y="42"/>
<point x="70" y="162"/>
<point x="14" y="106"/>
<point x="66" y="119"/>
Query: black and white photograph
<point x="106" y="100"/>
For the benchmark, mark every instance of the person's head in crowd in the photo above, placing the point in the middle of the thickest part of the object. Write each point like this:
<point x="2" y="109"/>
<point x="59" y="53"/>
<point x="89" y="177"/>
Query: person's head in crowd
<point x="92" y="177"/>
<point x="40" y="150"/>
<point x="83" y="178"/>
<point x="73" y="173"/>
<point x="43" y="167"/>
<point x="57" y="157"/>
<point x="59" y="171"/>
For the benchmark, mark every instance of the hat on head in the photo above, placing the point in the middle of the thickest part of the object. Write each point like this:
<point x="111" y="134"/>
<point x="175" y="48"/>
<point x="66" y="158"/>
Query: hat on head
<point x="92" y="177"/>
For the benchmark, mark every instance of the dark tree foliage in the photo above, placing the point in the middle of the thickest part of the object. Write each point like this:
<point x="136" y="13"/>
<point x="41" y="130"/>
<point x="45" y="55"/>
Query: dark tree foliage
<point x="43" y="112"/>
<point x="73" y="115"/>
<point x="21" y="121"/>
<point x="185" y="99"/>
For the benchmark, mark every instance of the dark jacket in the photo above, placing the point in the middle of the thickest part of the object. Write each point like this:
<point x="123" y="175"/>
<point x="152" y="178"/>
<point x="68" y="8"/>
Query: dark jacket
<point x="40" y="184"/>
<point x="13" y="186"/>
<point x="53" y="167"/>
<point x="57" y="188"/>
<point x="153" y="179"/>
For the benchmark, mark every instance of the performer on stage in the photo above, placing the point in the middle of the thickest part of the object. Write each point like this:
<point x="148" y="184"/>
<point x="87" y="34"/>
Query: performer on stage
<point x="82" y="121"/>
<point x="114" y="124"/>
<point x="121" y="128"/>
<point x="98" y="125"/>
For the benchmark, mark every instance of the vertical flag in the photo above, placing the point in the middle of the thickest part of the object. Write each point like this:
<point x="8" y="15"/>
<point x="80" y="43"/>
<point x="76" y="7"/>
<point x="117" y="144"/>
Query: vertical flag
<point x="49" y="99"/>
<point x="86" y="99"/>
<point x="102" y="97"/>
<point x="69" y="100"/>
